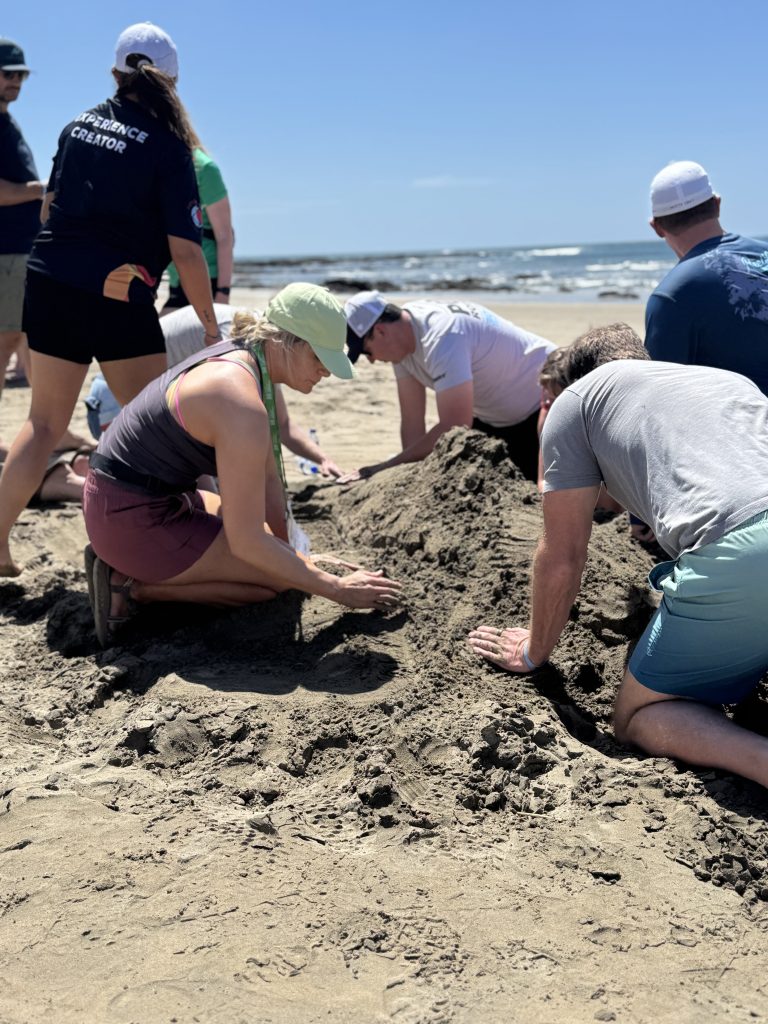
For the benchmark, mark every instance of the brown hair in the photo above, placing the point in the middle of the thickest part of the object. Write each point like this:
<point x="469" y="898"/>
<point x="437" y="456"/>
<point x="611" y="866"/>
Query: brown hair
<point x="156" y="92"/>
<point x="553" y="370"/>
<point x="675" y="223"/>
<point x="601" y="345"/>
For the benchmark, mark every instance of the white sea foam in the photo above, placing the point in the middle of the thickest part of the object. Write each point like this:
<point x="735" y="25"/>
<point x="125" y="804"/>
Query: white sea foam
<point x="571" y="250"/>
<point x="646" y="266"/>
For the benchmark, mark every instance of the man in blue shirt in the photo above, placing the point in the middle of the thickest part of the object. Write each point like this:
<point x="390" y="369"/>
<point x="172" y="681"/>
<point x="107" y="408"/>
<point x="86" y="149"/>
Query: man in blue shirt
<point x="20" y="195"/>
<point x="712" y="308"/>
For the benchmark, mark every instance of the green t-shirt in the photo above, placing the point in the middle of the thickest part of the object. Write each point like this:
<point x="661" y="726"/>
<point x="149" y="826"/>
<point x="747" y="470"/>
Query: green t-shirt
<point x="211" y="187"/>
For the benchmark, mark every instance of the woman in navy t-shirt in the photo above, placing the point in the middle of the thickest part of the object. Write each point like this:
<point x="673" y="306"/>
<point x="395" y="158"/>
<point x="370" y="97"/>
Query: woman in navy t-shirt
<point x="122" y="202"/>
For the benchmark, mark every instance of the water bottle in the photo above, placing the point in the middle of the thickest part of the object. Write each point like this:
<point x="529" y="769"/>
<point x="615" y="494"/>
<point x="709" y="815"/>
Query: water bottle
<point x="307" y="466"/>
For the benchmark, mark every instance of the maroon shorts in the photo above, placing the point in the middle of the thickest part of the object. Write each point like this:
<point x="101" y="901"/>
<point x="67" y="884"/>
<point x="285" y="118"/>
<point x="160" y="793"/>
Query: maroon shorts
<point x="150" y="538"/>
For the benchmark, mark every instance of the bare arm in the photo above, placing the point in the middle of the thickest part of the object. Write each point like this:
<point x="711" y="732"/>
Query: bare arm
<point x="412" y="396"/>
<point x="557" y="569"/>
<point x="222" y="409"/>
<point x="220" y="216"/>
<point x="14" y="193"/>
<point x="298" y="441"/>
<point x="193" y="274"/>
<point x="45" y="209"/>
<point x="454" y="409"/>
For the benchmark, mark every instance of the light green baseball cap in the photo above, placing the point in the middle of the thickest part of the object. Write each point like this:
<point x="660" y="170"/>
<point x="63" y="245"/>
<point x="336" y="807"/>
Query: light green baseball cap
<point x="314" y="315"/>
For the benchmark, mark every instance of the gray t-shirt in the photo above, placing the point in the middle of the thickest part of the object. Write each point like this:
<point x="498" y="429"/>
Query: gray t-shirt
<point x="685" y="448"/>
<point x="458" y="342"/>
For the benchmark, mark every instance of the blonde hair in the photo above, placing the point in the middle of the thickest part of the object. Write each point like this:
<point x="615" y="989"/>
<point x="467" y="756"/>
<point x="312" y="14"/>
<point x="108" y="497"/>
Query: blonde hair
<point x="251" y="329"/>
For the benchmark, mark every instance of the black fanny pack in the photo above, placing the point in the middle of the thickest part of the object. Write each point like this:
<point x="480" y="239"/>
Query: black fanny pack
<point x="123" y="474"/>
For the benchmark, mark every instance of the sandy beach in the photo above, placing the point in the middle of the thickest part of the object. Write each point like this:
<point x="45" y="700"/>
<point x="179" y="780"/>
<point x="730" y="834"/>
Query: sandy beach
<point x="296" y="813"/>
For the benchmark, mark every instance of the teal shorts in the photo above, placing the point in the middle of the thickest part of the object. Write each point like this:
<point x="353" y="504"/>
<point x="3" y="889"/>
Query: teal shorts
<point x="708" y="641"/>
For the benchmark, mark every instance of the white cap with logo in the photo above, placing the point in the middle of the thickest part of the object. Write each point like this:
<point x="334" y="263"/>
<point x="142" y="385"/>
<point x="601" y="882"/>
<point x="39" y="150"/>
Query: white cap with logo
<point x="146" y="42"/>
<point x="679" y="186"/>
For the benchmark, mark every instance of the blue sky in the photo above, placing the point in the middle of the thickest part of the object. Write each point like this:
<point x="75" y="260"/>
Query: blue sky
<point x="349" y="127"/>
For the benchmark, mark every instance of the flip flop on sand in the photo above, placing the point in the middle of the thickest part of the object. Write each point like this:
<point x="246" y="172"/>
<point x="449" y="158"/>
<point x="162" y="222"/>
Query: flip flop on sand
<point x="101" y="591"/>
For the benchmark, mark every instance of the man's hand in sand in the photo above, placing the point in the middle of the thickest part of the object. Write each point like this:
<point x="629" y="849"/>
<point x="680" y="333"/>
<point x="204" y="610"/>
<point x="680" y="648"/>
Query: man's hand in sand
<point x="357" y="474"/>
<point x="504" y="647"/>
<point x="364" y="589"/>
<point x="643" y="533"/>
<point x="328" y="467"/>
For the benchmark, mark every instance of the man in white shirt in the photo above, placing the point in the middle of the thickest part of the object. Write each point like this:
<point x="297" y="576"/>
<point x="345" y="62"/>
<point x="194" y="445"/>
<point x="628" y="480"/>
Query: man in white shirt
<point x="484" y="371"/>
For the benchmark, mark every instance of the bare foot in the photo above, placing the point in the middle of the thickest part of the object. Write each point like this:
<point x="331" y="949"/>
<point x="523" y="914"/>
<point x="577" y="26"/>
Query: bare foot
<point x="7" y="565"/>
<point x="62" y="484"/>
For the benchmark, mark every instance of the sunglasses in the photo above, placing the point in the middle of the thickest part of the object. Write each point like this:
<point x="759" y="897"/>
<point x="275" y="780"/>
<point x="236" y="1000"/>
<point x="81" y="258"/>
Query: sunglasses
<point x="12" y="75"/>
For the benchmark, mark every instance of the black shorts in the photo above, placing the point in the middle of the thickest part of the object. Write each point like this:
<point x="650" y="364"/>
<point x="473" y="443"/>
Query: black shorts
<point x="177" y="297"/>
<point x="76" y="325"/>
<point x="522" y="440"/>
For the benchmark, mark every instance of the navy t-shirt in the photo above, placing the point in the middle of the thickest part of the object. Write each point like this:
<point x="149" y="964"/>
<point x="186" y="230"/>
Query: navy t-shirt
<point x="122" y="183"/>
<point x="19" y="223"/>
<point x="712" y="309"/>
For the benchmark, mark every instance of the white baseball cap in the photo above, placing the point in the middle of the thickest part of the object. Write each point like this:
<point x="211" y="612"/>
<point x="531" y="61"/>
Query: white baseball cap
<point x="679" y="186"/>
<point x="363" y="310"/>
<point x="146" y="42"/>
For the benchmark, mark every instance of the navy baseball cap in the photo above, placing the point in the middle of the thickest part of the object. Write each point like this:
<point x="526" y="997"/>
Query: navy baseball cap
<point x="11" y="56"/>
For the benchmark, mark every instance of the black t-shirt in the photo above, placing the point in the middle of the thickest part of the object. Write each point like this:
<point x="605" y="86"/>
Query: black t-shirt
<point x="19" y="223"/>
<point x="122" y="184"/>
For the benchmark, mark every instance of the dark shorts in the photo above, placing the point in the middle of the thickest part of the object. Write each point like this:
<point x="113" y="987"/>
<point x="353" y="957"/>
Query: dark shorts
<point x="76" y="325"/>
<point x="522" y="441"/>
<point x="150" y="538"/>
<point x="177" y="297"/>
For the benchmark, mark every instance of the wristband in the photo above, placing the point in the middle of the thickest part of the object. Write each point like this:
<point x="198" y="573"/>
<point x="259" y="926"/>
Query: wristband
<point x="224" y="291"/>
<point x="530" y="664"/>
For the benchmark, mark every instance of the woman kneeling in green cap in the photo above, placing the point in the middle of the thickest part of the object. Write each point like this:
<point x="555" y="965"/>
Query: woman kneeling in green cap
<point x="154" y="536"/>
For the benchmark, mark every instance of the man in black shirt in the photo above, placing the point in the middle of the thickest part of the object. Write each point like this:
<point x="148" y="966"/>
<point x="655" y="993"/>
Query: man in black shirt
<point x="20" y="195"/>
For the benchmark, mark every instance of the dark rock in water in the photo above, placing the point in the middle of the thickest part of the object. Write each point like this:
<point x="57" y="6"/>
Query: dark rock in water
<point x="616" y="293"/>
<point x="474" y="284"/>
<point x="355" y="284"/>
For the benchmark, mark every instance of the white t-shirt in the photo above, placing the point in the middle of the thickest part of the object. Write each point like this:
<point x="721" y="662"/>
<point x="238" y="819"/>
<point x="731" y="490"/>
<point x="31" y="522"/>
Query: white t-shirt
<point x="683" y="447"/>
<point x="185" y="335"/>
<point x="458" y="342"/>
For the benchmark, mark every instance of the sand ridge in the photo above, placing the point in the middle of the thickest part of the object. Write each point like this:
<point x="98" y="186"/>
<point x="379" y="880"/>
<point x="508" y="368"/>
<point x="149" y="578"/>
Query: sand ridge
<point x="297" y="813"/>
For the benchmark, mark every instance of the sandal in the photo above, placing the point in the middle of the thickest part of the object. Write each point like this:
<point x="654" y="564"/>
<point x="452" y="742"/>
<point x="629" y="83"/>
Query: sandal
<point x="102" y="589"/>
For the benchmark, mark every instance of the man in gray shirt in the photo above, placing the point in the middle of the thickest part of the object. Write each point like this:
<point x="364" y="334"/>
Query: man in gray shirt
<point x="686" y="449"/>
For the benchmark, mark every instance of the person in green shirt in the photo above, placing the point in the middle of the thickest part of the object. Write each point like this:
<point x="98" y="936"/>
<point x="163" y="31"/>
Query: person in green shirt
<point x="218" y="236"/>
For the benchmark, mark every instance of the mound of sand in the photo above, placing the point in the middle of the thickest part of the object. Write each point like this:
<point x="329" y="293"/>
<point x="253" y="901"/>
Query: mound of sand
<point x="297" y="813"/>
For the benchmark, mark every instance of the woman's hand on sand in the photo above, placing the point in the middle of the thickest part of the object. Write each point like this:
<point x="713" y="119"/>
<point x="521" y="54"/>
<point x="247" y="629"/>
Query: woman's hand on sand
<point x="364" y="589"/>
<point x="504" y="647"/>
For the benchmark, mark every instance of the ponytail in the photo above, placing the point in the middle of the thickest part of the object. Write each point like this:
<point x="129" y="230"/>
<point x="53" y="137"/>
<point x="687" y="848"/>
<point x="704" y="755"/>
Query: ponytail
<point x="156" y="92"/>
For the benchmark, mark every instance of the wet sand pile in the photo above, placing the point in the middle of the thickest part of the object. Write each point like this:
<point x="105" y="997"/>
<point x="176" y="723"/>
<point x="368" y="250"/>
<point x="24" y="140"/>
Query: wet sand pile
<point x="298" y="813"/>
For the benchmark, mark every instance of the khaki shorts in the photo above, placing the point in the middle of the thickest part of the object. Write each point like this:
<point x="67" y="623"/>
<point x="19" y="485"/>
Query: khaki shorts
<point x="13" y="271"/>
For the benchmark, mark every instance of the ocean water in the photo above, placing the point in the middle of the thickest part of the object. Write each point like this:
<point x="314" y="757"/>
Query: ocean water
<point x="612" y="271"/>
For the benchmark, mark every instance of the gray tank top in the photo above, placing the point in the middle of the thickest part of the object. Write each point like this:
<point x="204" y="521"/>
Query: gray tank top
<point x="146" y="438"/>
